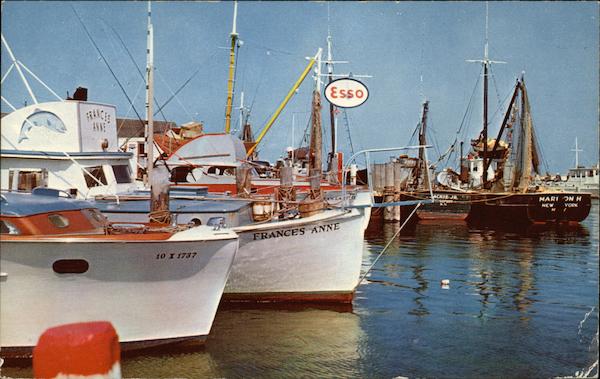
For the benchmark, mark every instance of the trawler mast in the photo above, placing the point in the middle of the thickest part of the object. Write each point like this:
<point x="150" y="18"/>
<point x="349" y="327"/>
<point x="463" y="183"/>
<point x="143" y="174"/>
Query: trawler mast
<point x="486" y="62"/>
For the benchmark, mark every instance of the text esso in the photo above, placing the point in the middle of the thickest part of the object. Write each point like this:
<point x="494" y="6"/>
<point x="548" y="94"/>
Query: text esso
<point x="346" y="93"/>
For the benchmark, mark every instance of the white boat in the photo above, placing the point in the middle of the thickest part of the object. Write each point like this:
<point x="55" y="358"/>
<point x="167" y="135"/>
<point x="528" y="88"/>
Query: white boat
<point x="313" y="259"/>
<point x="579" y="178"/>
<point x="62" y="263"/>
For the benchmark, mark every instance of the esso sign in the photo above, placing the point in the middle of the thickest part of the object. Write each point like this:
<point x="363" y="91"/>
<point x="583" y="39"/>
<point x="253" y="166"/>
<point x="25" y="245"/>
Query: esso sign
<point x="346" y="93"/>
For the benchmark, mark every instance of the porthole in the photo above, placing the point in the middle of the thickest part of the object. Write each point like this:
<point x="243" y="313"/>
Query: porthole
<point x="59" y="221"/>
<point x="70" y="266"/>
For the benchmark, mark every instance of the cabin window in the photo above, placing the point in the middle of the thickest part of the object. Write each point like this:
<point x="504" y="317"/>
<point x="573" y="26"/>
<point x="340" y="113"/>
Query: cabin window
<point x="122" y="173"/>
<point x="180" y="174"/>
<point x="28" y="179"/>
<point x="590" y="173"/>
<point x="59" y="221"/>
<point x="475" y="168"/>
<point x="221" y="170"/>
<point x="96" y="218"/>
<point x="7" y="227"/>
<point x="97" y="175"/>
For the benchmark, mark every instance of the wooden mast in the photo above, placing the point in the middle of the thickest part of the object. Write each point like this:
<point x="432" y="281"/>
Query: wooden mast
<point x="485" y="118"/>
<point x="316" y="133"/>
<point x="423" y="142"/>
<point x="234" y="38"/>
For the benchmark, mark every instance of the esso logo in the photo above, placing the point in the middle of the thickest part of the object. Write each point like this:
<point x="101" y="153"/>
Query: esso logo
<point x="346" y="93"/>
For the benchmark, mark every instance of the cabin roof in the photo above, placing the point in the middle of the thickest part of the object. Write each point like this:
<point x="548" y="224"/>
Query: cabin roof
<point x="27" y="204"/>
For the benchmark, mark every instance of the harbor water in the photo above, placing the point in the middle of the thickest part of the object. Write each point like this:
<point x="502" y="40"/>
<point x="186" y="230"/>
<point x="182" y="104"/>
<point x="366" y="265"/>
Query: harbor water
<point x="520" y="303"/>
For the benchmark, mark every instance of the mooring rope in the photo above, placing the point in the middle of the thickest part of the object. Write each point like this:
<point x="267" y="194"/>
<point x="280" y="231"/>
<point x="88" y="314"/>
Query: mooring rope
<point x="388" y="244"/>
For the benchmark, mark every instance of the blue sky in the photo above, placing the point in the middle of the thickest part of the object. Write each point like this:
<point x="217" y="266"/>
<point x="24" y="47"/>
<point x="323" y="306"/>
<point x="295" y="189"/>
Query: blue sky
<point x="554" y="43"/>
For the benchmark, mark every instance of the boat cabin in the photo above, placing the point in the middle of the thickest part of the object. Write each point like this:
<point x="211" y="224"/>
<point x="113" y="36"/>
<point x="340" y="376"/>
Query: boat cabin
<point x="71" y="145"/>
<point x="48" y="212"/>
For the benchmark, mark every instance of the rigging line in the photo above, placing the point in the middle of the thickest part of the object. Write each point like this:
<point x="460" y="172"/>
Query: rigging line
<point x="127" y="115"/>
<point x="260" y="80"/>
<point x="119" y="63"/>
<point x="107" y="65"/>
<point x="269" y="49"/>
<point x="136" y="66"/>
<point x="434" y="138"/>
<point x="495" y="85"/>
<point x="177" y="99"/>
<point x="348" y="131"/>
<point x="388" y="244"/>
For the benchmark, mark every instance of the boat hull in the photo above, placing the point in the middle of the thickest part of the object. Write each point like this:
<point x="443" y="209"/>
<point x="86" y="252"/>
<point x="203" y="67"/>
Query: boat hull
<point x="153" y="292"/>
<point x="317" y="259"/>
<point x="527" y="208"/>
<point x="448" y="205"/>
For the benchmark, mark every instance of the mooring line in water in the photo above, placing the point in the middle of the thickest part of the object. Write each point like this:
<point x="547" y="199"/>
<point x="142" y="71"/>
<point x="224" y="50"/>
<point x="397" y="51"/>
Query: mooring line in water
<point x="388" y="244"/>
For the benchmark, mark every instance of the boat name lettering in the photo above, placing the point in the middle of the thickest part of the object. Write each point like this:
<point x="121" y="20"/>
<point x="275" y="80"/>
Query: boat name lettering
<point x="445" y="196"/>
<point x="165" y="256"/>
<point x="545" y="199"/>
<point x="99" y="119"/>
<point x="572" y="198"/>
<point x="279" y="233"/>
<point x="297" y="231"/>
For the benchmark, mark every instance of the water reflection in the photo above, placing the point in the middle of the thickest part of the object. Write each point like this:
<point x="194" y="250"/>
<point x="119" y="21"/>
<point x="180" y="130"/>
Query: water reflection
<point x="497" y="265"/>
<point x="252" y="341"/>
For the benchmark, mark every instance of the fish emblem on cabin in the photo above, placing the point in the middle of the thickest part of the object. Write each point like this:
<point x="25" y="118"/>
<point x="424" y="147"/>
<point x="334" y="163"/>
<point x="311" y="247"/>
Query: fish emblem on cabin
<point x="42" y="119"/>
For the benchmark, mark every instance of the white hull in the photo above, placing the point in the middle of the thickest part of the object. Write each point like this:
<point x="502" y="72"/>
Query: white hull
<point x="316" y="258"/>
<point x="145" y="295"/>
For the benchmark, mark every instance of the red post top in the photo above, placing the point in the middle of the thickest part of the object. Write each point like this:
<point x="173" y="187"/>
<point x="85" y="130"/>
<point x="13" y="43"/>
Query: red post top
<point x="86" y="348"/>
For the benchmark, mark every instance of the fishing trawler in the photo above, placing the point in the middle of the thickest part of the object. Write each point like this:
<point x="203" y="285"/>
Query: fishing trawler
<point x="510" y="197"/>
<point x="495" y="185"/>
<point x="62" y="262"/>
<point x="451" y="202"/>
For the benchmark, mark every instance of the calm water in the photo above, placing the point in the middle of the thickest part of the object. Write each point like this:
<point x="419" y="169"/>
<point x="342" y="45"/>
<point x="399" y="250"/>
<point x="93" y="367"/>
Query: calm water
<point x="513" y="309"/>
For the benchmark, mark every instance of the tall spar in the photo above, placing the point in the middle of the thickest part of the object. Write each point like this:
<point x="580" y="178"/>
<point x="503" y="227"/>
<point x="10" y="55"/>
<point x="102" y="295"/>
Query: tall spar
<point x="149" y="96"/>
<point x="486" y="62"/>
<point x="234" y="43"/>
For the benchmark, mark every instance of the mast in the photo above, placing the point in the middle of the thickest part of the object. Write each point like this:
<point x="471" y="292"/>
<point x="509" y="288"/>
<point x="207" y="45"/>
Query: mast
<point x="149" y="95"/>
<point x="316" y="132"/>
<point x="329" y="64"/>
<point x="486" y="64"/>
<point x="423" y="142"/>
<point x="234" y="38"/>
<point x="576" y="150"/>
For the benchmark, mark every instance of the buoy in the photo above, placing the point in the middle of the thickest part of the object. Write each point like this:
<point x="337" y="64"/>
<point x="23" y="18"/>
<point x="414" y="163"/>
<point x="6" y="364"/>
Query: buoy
<point x="445" y="282"/>
<point x="80" y="350"/>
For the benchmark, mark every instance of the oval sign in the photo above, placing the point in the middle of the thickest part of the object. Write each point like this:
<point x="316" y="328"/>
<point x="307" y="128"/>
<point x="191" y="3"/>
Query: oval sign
<point x="346" y="93"/>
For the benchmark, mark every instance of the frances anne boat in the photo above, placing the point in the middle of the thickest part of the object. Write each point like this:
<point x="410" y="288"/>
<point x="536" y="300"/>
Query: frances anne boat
<point x="62" y="262"/>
